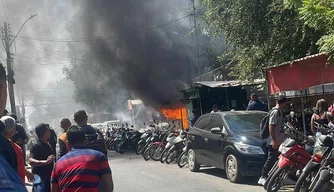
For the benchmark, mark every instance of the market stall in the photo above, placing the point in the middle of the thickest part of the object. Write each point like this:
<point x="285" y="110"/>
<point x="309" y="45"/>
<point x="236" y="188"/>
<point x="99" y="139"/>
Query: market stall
<point x="299" y="75"/>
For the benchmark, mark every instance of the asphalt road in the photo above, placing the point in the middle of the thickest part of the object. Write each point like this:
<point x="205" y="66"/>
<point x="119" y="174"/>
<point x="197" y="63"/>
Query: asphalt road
<point x="132" y="173"/>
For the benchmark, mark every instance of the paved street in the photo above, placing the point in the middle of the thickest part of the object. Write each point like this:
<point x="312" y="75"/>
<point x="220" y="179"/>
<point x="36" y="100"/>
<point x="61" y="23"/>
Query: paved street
<point x="133" y="174"/>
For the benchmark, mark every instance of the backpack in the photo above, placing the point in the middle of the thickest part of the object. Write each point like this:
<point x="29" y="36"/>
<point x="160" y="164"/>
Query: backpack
<point x="264" y="126"/>
<point x="96" y="142"/>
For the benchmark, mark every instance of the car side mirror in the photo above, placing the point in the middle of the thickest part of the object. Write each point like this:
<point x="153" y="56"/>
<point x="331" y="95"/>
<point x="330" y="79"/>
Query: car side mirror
<point x="216" y="130"/>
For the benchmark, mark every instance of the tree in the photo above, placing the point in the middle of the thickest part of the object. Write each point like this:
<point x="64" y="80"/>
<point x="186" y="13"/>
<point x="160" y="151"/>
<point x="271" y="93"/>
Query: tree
<point x="319" y="15"/>
<point x="260" y="32"/>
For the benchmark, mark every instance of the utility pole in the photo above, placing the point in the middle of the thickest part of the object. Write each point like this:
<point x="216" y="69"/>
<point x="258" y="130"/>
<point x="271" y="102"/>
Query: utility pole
<point x="10" y="72"/>
<point x="196" y="37"/>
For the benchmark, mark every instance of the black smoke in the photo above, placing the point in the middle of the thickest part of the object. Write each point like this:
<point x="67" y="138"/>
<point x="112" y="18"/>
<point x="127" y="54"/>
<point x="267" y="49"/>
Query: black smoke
<point x="149" y="48"/>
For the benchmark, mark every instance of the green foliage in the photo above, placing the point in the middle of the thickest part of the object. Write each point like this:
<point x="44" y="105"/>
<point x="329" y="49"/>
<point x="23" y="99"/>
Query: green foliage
<point x="261" y="32"/>
<point x="319" y="15"/>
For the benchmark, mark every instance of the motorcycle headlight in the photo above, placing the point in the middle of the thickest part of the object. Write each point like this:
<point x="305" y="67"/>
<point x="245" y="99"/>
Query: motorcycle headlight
<point x="283" y="149"/>
<point x="319" y="150"/>
<point x="249" y="149"/>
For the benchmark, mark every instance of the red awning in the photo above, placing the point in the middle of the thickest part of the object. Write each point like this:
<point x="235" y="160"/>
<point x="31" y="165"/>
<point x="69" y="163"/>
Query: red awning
<point x="300" y="74"/>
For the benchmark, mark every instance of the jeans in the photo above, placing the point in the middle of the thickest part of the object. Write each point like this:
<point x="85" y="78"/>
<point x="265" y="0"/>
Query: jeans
<point x="271" y="160"/>
<point x="44" y="186"/>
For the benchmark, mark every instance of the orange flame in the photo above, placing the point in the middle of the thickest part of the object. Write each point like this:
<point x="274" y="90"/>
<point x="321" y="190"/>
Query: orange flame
<point x="176" y="114"/>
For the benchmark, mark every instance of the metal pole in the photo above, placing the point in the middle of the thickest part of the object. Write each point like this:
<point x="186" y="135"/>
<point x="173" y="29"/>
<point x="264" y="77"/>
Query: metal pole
<point x="303" y="113"/>
<point x="133" y="119"/>
<point x="227" y="101"/>
<point x="267" y="90"/>
<point x="32" y="16"/>
<point x="10" y="72"/>
<point x="197" y="52"/>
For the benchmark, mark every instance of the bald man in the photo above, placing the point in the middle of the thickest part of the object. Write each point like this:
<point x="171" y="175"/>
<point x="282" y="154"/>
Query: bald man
<point x="64" y="148"/>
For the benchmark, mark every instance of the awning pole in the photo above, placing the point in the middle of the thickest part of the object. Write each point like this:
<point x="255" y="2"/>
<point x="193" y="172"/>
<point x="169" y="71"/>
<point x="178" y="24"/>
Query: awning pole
<point x="227" y="101"/>
<point x="303" y="113"/>
<point x="268" y="93"/>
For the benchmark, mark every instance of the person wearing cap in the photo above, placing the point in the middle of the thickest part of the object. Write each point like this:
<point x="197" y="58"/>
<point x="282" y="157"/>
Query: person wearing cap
<point x="276" y="136"/>
<point x="8" y="168"/>
<point x="10" y="125"/>
<point x="6" y="149"/>
<point x="20" y="137"/>
<point x="64" y="147"/>
<point x="81" y="119"/>
<point x="255" y="104"/>
<point x="42" y="158"/>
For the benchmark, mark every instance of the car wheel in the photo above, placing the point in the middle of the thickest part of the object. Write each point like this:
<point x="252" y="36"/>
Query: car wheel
<point x="232" y="169"/>
<point x="193" y="166"/>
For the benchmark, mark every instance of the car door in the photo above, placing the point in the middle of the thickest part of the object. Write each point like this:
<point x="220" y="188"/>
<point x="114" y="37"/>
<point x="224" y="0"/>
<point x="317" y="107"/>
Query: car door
<point x="196" y="138"/>
<point x="214" y="143"/>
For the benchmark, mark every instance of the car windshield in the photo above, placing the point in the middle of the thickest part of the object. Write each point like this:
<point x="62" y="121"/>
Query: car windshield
<point x="244" y="122"/>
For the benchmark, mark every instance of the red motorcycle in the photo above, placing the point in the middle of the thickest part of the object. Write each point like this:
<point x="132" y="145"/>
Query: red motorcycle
<point x="295" y="154"/>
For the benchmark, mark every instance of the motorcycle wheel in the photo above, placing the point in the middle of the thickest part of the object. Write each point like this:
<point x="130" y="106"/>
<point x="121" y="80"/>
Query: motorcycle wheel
<point x="182" y="160"/>
<point x="305" y="179"/>
<point x="163" y="156"/>
<point x="139" y="148"/>
<point x="112" y="146"/>
<point x="156" y="152"/>
<point x="171" y="156"/>
<point x="275" y="182"/>
<point x="122" y="149"/>
<point x="117" y="146"/>
<point x="146" y="154"/>
<point x="321" y="184"/>
<point x="109" y="145"/>
<point x="271" y="172"/>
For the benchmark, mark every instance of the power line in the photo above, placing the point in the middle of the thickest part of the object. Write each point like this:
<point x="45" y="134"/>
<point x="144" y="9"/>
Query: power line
<point x="99" y="38"/>
<point x="4" y="10"/>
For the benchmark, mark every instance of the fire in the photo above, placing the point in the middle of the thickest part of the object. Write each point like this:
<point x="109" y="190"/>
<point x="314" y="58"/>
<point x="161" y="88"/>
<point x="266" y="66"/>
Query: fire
<point x="179" y="114"/>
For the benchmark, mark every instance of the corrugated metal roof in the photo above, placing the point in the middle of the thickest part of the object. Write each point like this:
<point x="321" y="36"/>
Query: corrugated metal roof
<point x="297" y="60"/>
<point x="234" y="83"/>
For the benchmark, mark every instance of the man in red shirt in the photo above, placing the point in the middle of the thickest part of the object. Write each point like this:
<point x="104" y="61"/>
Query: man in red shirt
<point x="81" y="169"/>
<point x="10" y="125"/>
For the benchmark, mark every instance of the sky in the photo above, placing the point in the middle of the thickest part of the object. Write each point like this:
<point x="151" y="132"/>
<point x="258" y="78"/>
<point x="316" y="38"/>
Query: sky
<point x="36" y="63"/>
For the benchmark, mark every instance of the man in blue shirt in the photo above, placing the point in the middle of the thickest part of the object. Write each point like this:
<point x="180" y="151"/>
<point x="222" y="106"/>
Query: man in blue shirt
<point x="256" y="105"/>
<point x="81" y="118"/>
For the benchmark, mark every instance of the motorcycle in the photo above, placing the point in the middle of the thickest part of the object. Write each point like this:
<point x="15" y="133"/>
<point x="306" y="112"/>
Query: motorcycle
<point x="156" y="149"/>
<point x="177" y="148"/>
<point x="183" y="158"/>
<point x="141" y="144"/>
<point x="171" y="139"/>
<point x="293" y="158"/>
<point x="149" y="142"/>
<point x="322" y="150"/>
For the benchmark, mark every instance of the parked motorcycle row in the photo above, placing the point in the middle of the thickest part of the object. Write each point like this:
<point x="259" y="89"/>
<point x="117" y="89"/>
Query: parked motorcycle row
<point x="309" y="161"/>
<point x="120" y="140"/>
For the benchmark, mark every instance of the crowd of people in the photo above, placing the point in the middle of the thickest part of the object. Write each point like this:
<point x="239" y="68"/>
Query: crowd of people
<point x="81" y="165"/>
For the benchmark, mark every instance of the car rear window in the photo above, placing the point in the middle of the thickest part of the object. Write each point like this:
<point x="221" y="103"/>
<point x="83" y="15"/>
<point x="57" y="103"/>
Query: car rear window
<point x="244" y="122"/>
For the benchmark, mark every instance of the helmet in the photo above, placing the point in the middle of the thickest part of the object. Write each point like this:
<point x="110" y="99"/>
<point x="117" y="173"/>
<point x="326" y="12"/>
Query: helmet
<point x="292" y="115"/>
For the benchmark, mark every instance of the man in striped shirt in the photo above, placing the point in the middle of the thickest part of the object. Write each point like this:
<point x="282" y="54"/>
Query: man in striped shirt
<point x="81" y="169"/>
